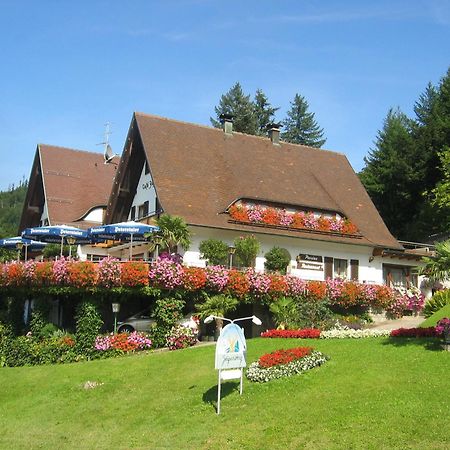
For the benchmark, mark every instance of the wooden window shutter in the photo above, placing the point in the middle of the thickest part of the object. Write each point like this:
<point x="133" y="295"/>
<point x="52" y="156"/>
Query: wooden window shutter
<point x="354" y="269"/>
<point x="328" y="267"/>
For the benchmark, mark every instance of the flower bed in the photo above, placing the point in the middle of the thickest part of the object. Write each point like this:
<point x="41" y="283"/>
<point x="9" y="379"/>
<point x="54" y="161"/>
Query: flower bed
<point x="335" y="333"/>
<point x="277" y="217"/>
<point x="170" y="275"/>
<point x="306" y="333"/>
<point x="415" y="332"/>
<point x="181" y="337"/>
<point x="123" y="341"/>
<point x="345" y="332"/>
<point x="284" y="363"/>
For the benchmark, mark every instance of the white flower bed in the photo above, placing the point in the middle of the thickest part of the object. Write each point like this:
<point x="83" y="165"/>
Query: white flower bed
<point x="261" y="374"/>
<point x="345" y="332"/>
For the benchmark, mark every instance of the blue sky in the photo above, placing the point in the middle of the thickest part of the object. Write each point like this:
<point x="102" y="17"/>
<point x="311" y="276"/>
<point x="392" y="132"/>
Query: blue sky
<point x="68" y="67"/>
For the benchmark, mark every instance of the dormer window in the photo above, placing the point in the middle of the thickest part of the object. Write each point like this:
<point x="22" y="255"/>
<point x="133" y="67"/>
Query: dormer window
<point x="260" y="214"/>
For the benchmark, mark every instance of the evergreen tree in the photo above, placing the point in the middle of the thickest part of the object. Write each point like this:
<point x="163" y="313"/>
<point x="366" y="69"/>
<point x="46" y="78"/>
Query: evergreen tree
<point x="432" y="136"/>
<point x="240" y="106"/>
<point x="300" y="126"/>
<point x="424" y="107"/>
<point x="392" y="174"/>
<point x="264" y="112"/>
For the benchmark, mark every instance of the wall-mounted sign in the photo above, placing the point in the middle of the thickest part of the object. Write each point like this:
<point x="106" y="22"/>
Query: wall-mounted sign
<point x="310" y="258"/>
<point x="309" y="262"/>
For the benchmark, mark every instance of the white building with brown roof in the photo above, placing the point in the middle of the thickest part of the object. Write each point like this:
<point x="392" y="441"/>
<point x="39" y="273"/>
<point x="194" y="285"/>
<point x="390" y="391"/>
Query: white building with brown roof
<point x="67" y="186"/>
<point x="205" y="174"/>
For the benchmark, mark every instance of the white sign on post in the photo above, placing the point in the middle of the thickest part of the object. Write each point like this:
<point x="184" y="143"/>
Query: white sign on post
<point x="231" y="349"/>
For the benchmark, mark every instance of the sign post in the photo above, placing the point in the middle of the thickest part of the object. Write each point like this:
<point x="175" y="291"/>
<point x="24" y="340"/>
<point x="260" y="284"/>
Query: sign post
<point x="231" y="350"/>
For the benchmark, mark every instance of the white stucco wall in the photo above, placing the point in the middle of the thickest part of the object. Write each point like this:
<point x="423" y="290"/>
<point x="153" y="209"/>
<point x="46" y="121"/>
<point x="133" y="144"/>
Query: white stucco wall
<point x="369" y="271"/>
<point x="44" y="215"/>
<point x="96" y="215"/>
<point x="145" y="191"/>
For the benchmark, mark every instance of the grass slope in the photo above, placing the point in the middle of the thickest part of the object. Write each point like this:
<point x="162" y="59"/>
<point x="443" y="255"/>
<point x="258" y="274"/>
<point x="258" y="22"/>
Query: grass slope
<point x="372" y="394"/>
<point x="436" y="317"/>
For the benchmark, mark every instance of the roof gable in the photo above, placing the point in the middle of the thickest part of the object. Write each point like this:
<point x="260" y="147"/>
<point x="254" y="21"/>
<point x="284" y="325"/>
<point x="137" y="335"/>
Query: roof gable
<point x="71" y="182"/>
<point x="199" y="171"/>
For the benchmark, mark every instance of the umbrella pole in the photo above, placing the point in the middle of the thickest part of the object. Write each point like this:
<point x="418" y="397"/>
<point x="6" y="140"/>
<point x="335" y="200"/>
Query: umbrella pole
<point x="62" y="243"/>
<point x="26" y="252"/>
<point x="131" y="247"/>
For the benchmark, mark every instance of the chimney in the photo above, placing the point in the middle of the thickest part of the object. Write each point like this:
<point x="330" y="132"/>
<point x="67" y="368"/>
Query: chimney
<point x="273" y="130"/>
<point x="227" y="122"/>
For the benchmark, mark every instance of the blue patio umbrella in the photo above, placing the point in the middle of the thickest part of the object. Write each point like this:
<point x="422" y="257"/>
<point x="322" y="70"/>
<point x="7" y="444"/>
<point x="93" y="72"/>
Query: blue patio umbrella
<point x="57" y="234"/>
<point x="17" y="242"/>
<point x="123" y="231"/>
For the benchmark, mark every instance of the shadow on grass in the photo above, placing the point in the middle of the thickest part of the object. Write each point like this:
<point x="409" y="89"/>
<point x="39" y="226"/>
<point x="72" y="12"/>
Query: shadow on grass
<point x="432" y="344"/>
<point x="210" y="396"/>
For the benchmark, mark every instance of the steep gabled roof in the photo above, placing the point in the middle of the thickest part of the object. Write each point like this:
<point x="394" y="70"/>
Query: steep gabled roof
<point x="72" y="182"/>
<point x="199" y="171"/>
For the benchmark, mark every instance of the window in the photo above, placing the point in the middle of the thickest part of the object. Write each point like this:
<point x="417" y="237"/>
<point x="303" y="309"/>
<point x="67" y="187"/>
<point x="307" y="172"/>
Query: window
<point x="399" y="276"/>
<point x="133" y="213"/>
<point x="143" y="210"/>
<point x="340" y="268"/>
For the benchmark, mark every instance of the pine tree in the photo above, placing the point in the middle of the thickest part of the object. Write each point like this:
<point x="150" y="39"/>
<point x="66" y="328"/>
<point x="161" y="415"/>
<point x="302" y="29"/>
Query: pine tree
<point x="264" y="112"/>
<point x="240" y="106"/>
<point x="392" y="175"/>
<point x="300" y="126"/>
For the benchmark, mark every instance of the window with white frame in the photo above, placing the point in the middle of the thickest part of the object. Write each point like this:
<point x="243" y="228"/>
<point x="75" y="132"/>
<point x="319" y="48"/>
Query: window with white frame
<point x="399" y="276"/>
<point x="340" y="267"/>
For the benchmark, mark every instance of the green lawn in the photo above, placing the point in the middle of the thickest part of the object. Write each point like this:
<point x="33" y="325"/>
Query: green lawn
<point x="372" y="394"/>
<point x="436" y="317"/>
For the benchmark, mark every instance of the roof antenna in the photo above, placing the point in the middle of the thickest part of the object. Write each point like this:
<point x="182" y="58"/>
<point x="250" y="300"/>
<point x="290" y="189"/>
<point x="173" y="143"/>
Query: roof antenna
<point x="108" y="154"/>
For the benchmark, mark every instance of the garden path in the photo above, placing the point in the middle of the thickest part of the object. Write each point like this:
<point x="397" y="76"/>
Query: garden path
<point x="404" y="322"/>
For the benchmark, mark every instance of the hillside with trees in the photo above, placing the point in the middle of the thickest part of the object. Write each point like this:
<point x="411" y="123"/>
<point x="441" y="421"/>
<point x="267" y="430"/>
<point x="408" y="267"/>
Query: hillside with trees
<point x="407" y="173"/>
<point x="11" y="204"/>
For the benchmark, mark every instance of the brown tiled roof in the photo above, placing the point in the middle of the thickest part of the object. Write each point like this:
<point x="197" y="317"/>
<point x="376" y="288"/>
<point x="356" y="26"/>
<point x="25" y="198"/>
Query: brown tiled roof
<point x="74" y="182"/>
<point x="199" y="171"/>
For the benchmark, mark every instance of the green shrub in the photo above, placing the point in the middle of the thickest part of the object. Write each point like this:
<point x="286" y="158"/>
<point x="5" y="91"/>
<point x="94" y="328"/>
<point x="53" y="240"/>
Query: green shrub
<point x="54" y="250"/>
<point x="167" y="312"/>
<point x="22" y="351"/>
<point x="314" y="314"/>
<point x="285" y="313"/>
<point x="247" y="248"/>
<point x="215" y="251"/>
<point x="435" y="303"/>
<point x="37" y="322"/>
<point x="277" y="260"/>
<point x="88" y="325"/>
<point x="6" y="337"/>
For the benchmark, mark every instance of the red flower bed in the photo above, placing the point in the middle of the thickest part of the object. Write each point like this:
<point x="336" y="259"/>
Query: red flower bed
<point x="134" y="274"/>
<point x="82" y="274"/>
<point x="270" y="216"/>
<point x="194" y="278"/>
<point x="317" y="290"/>
<point x="306" y="333"/>
<point x="44" y="273"/>
<point x="278" y="284"/>
<point x="238" y="283"/>
<point x="120" y="342"/>
<point x="283" y="356"/>
<point x="238" y="213"/>
<point x="415" y="332"/>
